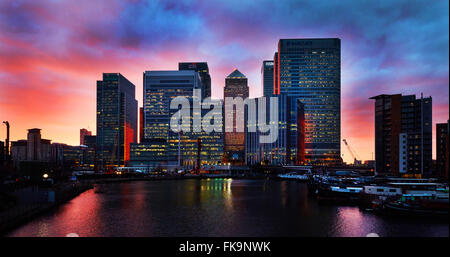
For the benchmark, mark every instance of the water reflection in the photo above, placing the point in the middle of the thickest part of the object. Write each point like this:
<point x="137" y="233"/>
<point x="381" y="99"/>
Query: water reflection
<point x="348" y="221"/>
<point x="215" y="207"/>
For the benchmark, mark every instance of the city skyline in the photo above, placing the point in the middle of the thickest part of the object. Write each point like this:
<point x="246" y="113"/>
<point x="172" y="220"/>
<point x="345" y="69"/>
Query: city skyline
<point x="57" y="83"/>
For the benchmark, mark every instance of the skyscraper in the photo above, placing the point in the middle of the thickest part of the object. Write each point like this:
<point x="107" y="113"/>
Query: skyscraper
<point x="275" y="153"/>
<point x="84" y="132"/>
<point x="203" y="71"/>
<point x="442" y="144"/>
<point x="309" y="70"/>
<point x="160" y="87"/>
<point x="403" y="134"/>
<point x="175" y="149"/>
<point x="116" y="119"/>
<point x="236" y="85"/>
<point x="267" y="73"/>
<point x="141" y="124"/>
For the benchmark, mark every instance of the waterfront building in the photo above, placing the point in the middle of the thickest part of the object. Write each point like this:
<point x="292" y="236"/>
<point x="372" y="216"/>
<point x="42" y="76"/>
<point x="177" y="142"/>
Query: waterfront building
<point x="148" y="154"/>
<point x="84" y="132"/>
<point x="160" y="87"/>
<point x="181" y="149"/>
<point x="236" y="85"/>
<point x="91" y="151"/>
<point x="57" y="153"/>
<point x="79" y="157"/>
<point x="141" y="124"/>
<point x="309" y="70"/>
<point x="31" y="156"/>
<point x="403" y="152"/>
<point x="71" y="157"/>
<point x="37" y="149"/>
<point x="403" y="134"/>
<point x="211" y="144"/>
<point x="18" y="151"/>
<point x="301" y="134"/>
<point x="203" y="71"/>
<point x="275" y="153"/>
<point x="254" y="150"/>
<point x="442" y="145"/>
<point x="116" y="119"/>
<point x="267" y="73"/>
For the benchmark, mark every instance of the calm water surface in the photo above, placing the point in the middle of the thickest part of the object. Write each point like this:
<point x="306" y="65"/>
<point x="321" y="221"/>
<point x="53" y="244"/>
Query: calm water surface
<point x="215" y="207"/>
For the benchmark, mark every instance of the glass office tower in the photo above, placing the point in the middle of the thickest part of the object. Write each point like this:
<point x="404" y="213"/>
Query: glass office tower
<point x="203" y="71"/>
<point x="309" y="70"/>
<point x="160" y="88"/>
<point x="274" y="153"/>
<point x="267" y="78"/>
<point x="116" y="119"/>
<point x="182" y="149"/>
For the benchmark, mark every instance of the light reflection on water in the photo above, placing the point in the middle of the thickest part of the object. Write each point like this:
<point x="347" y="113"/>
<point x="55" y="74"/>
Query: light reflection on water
<point x="215" y="207"/>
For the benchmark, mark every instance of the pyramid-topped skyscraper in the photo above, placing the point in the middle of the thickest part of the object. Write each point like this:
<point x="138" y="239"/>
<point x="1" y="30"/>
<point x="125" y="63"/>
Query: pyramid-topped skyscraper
<point x="236" y="85"/>
<point x="236" y="74"/>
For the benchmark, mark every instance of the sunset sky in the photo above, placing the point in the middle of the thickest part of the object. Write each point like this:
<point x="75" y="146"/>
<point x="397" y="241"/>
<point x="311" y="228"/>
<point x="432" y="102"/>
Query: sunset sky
<point x="52" y="53"/>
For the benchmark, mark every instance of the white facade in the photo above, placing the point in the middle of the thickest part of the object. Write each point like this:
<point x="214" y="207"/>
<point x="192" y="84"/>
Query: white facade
<point x="403" y="152"/>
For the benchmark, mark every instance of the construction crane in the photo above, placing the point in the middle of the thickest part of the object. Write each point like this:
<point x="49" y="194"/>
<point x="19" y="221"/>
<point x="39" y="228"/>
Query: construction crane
<point x="354" y="155"/>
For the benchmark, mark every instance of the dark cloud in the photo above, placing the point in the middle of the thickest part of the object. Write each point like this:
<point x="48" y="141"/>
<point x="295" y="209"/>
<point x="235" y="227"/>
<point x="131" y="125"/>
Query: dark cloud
<point x="399" y="46"/>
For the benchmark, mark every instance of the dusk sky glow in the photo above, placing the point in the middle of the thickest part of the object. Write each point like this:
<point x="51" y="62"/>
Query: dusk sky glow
<point x="53" y="52"/>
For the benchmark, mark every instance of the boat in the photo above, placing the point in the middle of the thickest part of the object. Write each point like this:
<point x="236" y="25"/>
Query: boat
<point x="407" y="199"/>
<point x="425" y="206"/>
<point x="339" y="193"/>
<point x="295" y="176"/>
<point x="391" y="191"/>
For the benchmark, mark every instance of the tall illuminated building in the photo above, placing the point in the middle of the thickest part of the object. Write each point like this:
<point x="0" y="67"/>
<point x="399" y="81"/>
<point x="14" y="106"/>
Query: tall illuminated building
<point x="168" y="148"/>
<point x="116" y="119"/>
<point x="203" y="71"/>
<point x="236" y="85"/>
<point x="267" y="74"/>
<point x="309" y="70"/>
<point x="160" y="87"/>
<point x="275" y="153"/>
